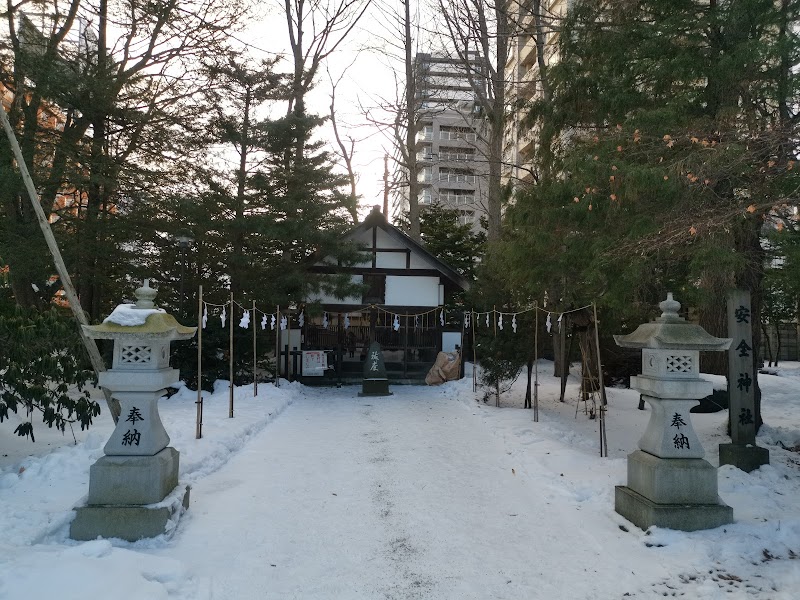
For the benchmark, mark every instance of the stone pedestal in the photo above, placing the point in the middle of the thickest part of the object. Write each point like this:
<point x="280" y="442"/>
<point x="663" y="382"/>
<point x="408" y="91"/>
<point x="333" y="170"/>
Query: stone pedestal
<point x="645" y="513"/>
<point x="130" y="522"/>
<point x="746" y="458"/>
<point x="678" y="493"/>
<point x="375" y="387"/>
<point x="122" y="480"/>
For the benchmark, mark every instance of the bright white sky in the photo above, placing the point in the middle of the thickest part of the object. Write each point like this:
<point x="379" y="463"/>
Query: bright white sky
<point x="366" y="77"/>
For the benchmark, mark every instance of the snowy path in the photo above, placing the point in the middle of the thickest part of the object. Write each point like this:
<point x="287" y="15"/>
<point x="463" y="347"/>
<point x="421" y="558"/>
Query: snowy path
<point x="346" y="497"/>
<point x="429" y="494"/>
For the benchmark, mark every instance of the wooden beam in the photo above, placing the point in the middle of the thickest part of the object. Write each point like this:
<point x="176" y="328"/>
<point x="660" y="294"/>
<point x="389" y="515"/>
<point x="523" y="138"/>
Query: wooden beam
<point x="61" y="268"/>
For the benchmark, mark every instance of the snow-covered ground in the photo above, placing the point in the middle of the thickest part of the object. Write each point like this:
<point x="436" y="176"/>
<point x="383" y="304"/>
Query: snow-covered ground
<point x="319" y="494"/>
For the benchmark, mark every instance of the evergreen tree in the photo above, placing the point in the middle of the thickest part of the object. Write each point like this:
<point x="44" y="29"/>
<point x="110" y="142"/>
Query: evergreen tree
<point x="667" y="143"/>
<point x="455" y="243"/>
<point x="100" y="112"/>
<point x="781" y="285"/>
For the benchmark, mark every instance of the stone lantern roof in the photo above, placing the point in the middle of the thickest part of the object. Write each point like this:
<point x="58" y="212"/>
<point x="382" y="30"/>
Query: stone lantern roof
<point x="141" y="320"/>
<point x="671" y="331"/>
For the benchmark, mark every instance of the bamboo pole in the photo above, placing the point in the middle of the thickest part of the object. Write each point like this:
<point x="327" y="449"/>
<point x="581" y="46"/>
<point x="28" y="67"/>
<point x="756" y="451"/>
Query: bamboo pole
<point x="199" y="402"/>
<point x="278" y="346"/>
<point x="61" y="268"/>
<point x="230" y="362"/>
<point x="536" y="364"/>
<point x="255" y="378"/>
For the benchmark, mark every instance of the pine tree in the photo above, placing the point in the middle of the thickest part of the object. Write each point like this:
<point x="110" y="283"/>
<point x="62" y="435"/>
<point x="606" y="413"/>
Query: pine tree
<point x="99" y="118"/>
<point x="666" y="145"/>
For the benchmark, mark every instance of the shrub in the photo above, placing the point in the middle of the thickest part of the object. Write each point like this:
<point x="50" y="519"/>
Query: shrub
<point x="44" y="369"/>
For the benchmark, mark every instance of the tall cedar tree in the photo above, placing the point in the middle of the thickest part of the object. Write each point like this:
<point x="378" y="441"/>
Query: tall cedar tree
<point x="668" y="143"/>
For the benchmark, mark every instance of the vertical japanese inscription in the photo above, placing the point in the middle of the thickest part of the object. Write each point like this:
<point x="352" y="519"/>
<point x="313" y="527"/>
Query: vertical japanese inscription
<point x="133" y="436"/>
<point x="680" y="440"/>
<point x="741" y="368"/>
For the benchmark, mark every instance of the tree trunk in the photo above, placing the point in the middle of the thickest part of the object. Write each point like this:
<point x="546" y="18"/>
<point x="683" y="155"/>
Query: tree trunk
<point x="768" y="344"/>
<point x="237" y="255"/>
<point x="528" y="395"/>
<point x="411" y="132"/>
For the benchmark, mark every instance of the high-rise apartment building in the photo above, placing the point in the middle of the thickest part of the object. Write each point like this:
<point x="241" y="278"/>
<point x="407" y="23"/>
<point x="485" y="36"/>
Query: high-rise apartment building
<point x="523" y="73"/>
<point x="451" y="157"/>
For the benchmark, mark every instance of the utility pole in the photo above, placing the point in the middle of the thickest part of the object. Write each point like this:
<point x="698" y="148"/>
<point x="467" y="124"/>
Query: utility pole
<point x="386" y="186"/>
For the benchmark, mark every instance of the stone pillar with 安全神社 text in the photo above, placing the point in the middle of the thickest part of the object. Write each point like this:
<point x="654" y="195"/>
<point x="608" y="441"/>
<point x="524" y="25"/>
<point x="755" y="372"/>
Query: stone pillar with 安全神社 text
<point x="742" y="452"/>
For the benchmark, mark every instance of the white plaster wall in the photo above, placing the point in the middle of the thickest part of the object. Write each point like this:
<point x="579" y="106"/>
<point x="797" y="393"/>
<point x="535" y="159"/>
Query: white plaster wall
<point x="450" y="339"/>
<point x="412" y="290"/>
<point x="385" y="241"/>
<point x="391" y="260"/>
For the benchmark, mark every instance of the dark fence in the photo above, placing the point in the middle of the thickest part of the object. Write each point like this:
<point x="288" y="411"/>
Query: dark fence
<point x="783" y="336"/>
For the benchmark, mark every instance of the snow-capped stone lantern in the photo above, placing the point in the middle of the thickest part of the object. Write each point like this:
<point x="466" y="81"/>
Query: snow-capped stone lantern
<point x="139" y="468"/>
<point x="669" y="483"/>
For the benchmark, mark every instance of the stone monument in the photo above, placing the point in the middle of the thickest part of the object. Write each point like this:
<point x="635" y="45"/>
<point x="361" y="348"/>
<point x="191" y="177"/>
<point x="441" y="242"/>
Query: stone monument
<point x="133" y="490"/>
<point x="375" y="382"/>
<point x="742" y="452"/>
<point x="669" y="483"/>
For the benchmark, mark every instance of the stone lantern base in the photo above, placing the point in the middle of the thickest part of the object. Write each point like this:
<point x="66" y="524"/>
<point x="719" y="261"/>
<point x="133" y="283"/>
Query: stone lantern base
<point x="748" y="458"/>
<point x="131" y="497"/>
<point x="672" y="493"/>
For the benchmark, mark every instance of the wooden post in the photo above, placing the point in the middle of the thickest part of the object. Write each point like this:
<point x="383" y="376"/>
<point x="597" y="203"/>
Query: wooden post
<point x="604" y="401"/>
<point x="230" y="361"/>
<point x="386" y="186"/>
<point x="405" y="347"/>
<point x="461" y="353"/>
<point x="278" y="346"/>
<point x="69" y="289"/>
<point x="562" y="336"/>
<point x="496" y="381"/>
<point x="255" y="378"/>
<point x="536" y="364"/>
<point x="474" y="355"/>
<point x="599" y="362"/>
<point x="199" y="402"/>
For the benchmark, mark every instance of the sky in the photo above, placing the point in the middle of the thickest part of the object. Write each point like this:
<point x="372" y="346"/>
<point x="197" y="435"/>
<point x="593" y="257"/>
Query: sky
<point x="317" y="493"/>
<point x="365" y="66"/>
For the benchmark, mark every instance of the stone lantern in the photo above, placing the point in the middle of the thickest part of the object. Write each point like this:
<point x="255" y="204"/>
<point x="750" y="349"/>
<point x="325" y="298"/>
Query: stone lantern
<point x="669" y="483"/>
<point x="139" y="469"/>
